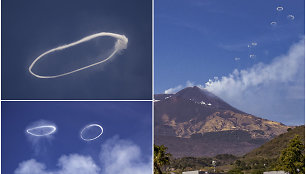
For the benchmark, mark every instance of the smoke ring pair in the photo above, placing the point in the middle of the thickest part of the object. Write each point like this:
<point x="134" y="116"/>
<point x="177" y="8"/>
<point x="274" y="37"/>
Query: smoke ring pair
<point x="31" y="131"/>
<point x="88" y="126"/>
<point x="120" y="44"/>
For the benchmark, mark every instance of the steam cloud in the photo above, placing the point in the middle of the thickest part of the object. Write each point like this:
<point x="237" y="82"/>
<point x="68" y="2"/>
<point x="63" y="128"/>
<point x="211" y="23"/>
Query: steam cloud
<point x="116" y="156"/>
<point x="274" y="91"/>
<point x="179" y="87"/>
<point x="282" y="70"/>
<point x="120" y="44"/>
<point x="173" y="90"/>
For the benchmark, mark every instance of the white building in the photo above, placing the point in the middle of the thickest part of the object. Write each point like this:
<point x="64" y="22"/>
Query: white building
<point x="275" y="172"/>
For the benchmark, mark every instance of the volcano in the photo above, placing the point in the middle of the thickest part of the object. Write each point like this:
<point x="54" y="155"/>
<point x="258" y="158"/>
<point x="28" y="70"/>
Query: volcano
<point x="195" y="122"/>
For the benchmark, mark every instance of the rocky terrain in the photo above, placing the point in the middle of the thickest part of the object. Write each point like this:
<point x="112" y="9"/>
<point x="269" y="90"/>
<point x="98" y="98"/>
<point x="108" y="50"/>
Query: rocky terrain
<point x="195" y="122"/>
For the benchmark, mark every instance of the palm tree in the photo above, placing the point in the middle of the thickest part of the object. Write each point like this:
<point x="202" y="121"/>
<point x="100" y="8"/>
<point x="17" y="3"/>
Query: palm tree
<point x="161" y="158"/>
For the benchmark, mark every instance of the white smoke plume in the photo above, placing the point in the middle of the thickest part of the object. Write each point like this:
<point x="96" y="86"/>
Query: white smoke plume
<point x="173" y="90"/>
<point x="283" y="69"/>
<point x="177" y="88"/>
<point x="275" y="91"/>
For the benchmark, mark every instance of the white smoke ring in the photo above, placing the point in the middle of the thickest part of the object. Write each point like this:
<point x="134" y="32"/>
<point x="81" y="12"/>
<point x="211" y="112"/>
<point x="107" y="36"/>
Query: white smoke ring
<point x="120" y="44"/>
<point x="29" y="131"/>
<point x="91" y="125"/>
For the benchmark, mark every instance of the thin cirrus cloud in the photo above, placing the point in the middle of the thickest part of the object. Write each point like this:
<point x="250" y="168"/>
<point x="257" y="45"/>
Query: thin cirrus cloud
<point x="274" y="91"/>
<point x="116" y="156"/>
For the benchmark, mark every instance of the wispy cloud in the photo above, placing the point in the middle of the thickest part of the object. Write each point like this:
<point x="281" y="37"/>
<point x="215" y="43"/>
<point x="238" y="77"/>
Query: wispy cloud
<point x="173" y="90"/>
<point x="116" y="156"/>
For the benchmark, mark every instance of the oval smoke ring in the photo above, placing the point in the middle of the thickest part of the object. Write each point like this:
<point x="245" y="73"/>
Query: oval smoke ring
<point x="40" y="131"/>
<point x="89" y="126"/>
<point x="120" y="45"/>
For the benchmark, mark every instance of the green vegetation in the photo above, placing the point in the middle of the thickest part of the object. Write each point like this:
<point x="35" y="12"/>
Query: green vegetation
<point x="273" y="148"/>
<point x="198" y="163"/>
<point x="161" y="158"/>
<point x="235" y="171"/>
<point x="178" y="165"/>
<point x="190" y="163"/>
<point x="284" y="152"/>
<point x="254" y="166"/>
<point x="292" y="158"/>
<point x="275" y="153"/>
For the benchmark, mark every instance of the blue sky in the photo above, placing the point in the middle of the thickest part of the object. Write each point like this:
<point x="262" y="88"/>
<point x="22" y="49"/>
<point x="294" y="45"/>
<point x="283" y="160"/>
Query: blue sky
<point x="29" y="28"/>
<point x="198" y="40"/>
<point x="127" y="129"/>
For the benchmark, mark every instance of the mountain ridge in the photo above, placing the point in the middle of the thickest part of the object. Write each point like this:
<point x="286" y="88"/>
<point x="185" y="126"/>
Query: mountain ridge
<point x="193" y="112"/>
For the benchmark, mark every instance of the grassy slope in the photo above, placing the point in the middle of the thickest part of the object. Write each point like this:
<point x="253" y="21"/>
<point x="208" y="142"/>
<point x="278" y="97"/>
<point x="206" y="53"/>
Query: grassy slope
<point x="273" y="148"/>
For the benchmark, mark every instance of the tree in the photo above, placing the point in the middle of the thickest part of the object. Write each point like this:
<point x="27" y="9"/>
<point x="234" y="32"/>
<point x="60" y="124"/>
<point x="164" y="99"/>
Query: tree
<point x="292" y="158"/>
<point x="161" y="158"/>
